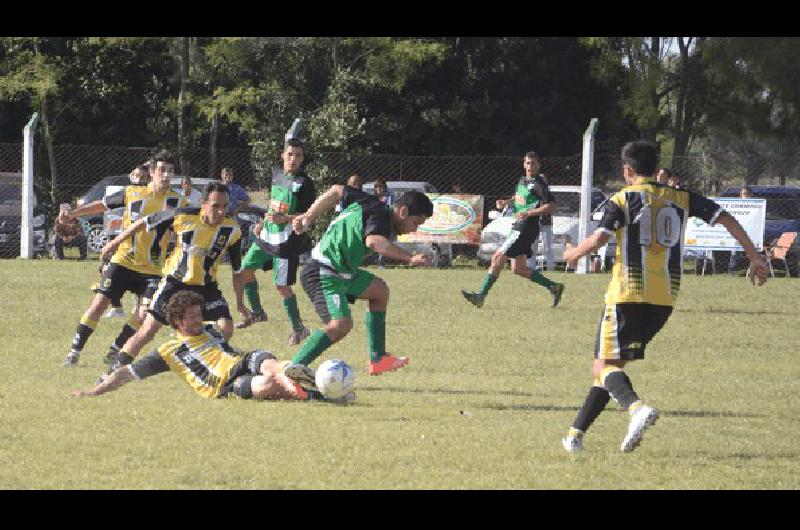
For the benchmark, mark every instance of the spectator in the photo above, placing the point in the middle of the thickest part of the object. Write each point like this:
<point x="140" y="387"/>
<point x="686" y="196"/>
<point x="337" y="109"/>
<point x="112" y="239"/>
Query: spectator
<point x="68" y="233"/>
<point x="238" y="197"/>
<point x="355" y="181"/>
<point x="674" y="181"/>
<point x="192" y="195"/>
<point x="663" y="176"/>
<point x="382" y="192"/>
<point x="140" y="176"/>
<point x="456" y="188"/>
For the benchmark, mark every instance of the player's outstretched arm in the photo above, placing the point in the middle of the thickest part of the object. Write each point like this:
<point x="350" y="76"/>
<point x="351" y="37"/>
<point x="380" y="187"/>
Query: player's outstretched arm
<point x="324" y="202"/>
<point x="384" y="247"/>
<point x="111" y="246"/>
<point x="92" y="208"/>
<point x="586" y="247"/>
<point x="119" y="377"/>
<point x="757" y="264"/>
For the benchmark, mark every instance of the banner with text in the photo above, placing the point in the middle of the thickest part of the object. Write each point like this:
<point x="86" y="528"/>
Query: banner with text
<point x="751" y="214"/>
<point x="457" y="218"/>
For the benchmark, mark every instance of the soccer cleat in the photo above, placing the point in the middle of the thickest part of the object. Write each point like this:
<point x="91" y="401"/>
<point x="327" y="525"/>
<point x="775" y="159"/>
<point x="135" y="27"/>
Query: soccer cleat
<point x="302" y="374"/>
<point x="387" y="363"/>
<point x="473" y="298"/>
<point x="111" y="355"/>
<point x="254" y="317"/>
<point x="641" y="420"/>
<point x="72" y="359"/>
<point x="298" y="336"/>
<point x="557" y="290"/>
<point x="572" y="444"/>
<point x="115" y="312"/>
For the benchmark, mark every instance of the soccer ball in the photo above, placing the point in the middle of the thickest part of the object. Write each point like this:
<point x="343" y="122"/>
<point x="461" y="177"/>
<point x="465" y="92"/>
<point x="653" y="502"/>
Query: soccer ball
<point x="335" y="378"/>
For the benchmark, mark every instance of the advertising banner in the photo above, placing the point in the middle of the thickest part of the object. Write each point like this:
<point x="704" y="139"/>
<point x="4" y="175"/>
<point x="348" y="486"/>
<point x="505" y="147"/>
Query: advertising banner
<point x="457" y="218"/>
<point x="751" y="214"/>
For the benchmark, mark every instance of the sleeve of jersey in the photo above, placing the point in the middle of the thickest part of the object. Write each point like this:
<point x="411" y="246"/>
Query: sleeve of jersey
<point x="149" y="365"/>
<point x="377" y="222"/>
<point x="159" y="219"/>
<point x="235" y="252"/>
<point x="613" y="215"/>
<point x="308" y="194"/>
<point x="704" y="208"/>
<point x="115" y="200"/>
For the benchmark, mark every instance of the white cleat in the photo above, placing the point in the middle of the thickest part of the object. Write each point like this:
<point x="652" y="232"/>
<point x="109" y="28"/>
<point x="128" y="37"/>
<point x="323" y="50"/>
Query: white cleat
<point x="572" y="444"/>
<point x="641" y="420"/>
<point x="115" y="312"/>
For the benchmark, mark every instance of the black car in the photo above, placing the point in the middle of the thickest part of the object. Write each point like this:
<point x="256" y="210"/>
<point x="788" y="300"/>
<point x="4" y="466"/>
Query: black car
<point x="11" y="218"/>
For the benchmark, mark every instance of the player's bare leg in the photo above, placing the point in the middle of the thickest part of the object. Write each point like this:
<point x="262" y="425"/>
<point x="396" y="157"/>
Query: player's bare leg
<point x="86" y="327"/>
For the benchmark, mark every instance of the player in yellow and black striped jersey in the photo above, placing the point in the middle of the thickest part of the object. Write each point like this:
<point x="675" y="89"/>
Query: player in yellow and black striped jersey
<point x="136" y="264"/>
<point x="209" y="365"/>
<point x="202" y="236"/>
<point x="649" y="221"/>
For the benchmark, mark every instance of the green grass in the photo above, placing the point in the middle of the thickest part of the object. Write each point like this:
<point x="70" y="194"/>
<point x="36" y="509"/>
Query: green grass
<point x="484" y="403"/>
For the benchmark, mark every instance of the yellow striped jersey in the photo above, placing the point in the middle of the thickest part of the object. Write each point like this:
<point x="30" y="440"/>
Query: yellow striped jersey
<point x="198" y="245"/>
<point x="205" y="362"/>
<point x="144" y="251"/>
<point x="649" y="221"/>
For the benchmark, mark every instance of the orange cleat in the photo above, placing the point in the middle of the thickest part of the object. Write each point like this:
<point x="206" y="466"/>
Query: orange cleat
<point x="387" y="363"/>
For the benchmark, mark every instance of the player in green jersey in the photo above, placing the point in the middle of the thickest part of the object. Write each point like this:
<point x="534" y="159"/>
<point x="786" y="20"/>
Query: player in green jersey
<point x="277" y="246"/>
<point x="332" y="278"/>
<point x="532" y="199"/>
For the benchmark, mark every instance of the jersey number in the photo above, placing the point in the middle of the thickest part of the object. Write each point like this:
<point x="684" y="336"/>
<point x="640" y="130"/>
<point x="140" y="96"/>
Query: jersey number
<point x="664" y="224"/>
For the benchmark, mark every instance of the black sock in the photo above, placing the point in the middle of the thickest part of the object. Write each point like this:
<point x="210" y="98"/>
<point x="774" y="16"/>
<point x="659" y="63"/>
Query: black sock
<point x="620" y="388"/>
<point x="126" y="333"/>
<point x="595" y="402"/>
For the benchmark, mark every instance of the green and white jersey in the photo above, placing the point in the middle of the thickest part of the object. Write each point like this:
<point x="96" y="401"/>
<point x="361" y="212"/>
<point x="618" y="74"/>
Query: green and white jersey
<point x="290" y="194"/>
<point x="343" y="246"/>
<point x="531" y="192"/>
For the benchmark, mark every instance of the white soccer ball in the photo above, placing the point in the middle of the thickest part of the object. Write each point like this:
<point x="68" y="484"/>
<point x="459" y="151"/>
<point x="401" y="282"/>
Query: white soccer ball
<point x="335" y="378"/>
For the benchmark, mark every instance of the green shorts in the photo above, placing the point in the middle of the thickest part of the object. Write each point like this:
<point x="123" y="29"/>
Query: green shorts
<point x="284" y="270"/>
<point x="330" y="293"/>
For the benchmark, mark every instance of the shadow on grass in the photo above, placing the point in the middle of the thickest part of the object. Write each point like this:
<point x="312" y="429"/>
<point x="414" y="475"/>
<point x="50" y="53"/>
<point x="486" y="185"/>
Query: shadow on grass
<point x="734" y="311"/>
<point x="449" y="391"/>
<point x="674" y="413"/>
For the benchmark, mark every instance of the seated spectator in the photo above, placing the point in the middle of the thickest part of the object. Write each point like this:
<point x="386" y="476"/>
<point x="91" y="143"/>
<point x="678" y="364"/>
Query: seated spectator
<point x="192" y="195"/>
<point x="68" y="234"/>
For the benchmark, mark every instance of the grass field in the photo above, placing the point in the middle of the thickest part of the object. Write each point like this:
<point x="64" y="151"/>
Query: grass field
<point x="484" y="403"/>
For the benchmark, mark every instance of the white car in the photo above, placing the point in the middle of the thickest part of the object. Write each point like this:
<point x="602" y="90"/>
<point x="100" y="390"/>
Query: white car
<point x="565" y="225"/>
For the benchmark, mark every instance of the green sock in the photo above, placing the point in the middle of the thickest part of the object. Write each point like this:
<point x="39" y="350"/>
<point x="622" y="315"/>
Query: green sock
<point x="251" y="292"/>
<point x="536" y="277"/>
<point x="375" y="322"/>
<point x="487" y="284"/>
<point x="290" y="305"/>
<point x="312" y="348"/>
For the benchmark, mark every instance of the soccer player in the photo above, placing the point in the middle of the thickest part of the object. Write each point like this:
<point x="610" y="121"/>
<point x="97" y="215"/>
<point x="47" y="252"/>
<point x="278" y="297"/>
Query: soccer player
<point x="208" y="364"/>
<point x="531" y="201"/>
<point x="649" y="221"/>
<point x="202" y="236"/>
<point x="277" y="246"/>
<point x="333" y="278"/>
<point x="135" y="266"/>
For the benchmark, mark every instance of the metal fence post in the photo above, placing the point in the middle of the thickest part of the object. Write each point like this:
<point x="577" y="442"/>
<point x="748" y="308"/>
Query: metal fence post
<point x="26" y="227"/>
<point x="587" y="175"/>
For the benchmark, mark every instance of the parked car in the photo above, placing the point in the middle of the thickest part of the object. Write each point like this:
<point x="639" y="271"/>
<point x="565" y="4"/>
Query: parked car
<point x="565" y="225"/>
<point x="11" y="218"/>
<point x="441" y="254"/>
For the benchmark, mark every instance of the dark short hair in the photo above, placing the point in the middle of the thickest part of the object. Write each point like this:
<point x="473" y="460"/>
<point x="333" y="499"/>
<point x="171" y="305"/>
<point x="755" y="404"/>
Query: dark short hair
<point x="642" y="156"/>
<point x="187" y="177"/>
<point x="143" y="167"/>
<point x="534" y="155"/>
<point x="666" y="170"/>
<point x="212" y="187"/>
<point x="179" y="303"/>
<point x="161" y="156"/>
<point x="226" y="170"/>
<point x="417" y="202"/>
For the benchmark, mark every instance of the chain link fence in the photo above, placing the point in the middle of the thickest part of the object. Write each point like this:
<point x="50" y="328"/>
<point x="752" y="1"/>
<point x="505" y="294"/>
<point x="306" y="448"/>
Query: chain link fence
<point x="73" y="169"/>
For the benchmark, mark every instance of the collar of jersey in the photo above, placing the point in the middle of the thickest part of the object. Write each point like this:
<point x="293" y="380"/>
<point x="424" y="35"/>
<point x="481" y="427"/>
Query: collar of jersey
<point x="151" y="190"/>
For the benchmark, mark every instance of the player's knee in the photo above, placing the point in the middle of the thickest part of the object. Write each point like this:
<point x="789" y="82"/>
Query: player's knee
<point x="284" y="291"/>
<point x="338" y="329"/>
<point x="226" y="327"/>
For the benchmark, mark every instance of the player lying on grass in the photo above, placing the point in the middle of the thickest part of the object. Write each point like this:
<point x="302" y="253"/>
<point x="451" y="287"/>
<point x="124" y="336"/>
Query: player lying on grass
<point x="649" y="221"/>
<point x="332" y="277"/>
<point x="209" y="365"/>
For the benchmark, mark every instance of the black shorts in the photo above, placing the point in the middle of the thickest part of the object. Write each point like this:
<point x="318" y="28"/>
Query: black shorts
<point x="626" y="329"/>
<point x="249" y="366"/>
<point x="214" y="308"/>
<point x="520" y="242"/>
<point x="117" y="279"/>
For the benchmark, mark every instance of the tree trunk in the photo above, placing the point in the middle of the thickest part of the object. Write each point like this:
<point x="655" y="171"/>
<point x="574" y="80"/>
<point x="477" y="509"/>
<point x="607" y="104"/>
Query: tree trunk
<point x="212" y="163"/>
<point x="51" y="156"/>
<point x="184" y="70"/>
